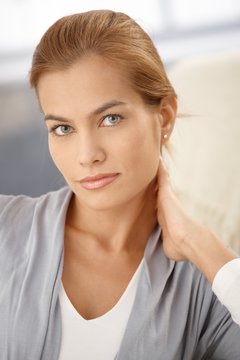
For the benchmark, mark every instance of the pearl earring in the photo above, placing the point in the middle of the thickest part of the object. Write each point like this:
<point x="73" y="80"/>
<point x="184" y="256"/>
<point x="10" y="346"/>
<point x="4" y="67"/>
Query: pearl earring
<point x="165" y="136"/>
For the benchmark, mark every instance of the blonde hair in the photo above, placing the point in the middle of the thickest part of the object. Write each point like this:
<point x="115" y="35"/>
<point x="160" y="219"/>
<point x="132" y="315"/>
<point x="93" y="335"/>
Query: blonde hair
<point x="112" y="35"/>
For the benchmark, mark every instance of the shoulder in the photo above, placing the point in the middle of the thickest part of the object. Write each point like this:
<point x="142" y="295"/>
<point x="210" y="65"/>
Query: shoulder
<point x="185" y="271"/>
<point x="193" y="283"/>
<point x="173" y="280"/>
<point x="18" y="208"/>
<point x="22" y="216"/>
<point x="14" y="206"/>
<point x="197" y="297"/>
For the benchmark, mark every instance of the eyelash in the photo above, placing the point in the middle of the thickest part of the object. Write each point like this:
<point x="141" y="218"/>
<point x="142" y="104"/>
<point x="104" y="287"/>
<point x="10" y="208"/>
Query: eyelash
<point x="55" y="127"/>
<point x="120" y="119"/>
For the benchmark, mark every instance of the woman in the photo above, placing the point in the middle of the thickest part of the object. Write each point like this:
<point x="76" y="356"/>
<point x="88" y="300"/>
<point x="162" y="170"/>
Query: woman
<point x="86" y="271"/>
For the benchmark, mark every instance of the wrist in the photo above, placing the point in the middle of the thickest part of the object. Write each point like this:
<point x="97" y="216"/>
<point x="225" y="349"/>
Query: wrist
<point x="206" y="252"/>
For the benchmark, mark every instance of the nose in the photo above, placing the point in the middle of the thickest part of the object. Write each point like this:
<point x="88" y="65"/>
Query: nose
<point x="90" y="150"/>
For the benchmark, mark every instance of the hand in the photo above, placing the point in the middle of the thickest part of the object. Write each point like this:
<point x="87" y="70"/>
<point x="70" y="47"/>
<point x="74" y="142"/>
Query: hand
<point x="177" y="226"/>
<point x="183" y="238"/>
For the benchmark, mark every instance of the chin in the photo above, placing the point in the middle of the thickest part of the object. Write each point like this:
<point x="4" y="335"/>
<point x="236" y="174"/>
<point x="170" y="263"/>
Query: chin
<point x="100" y="200"/>
<point x="104" y="204"/>
<point x="96" y="199"/>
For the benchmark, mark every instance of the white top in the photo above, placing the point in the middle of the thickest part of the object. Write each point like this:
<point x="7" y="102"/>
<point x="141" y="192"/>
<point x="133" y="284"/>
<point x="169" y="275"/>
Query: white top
<point x="99" y="341"/>
<point x="226" y="286"/>
<point x="97" y="338"/>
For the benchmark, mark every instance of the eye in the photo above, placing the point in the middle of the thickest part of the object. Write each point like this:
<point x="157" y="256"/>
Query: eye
<point x="111" y="120"/>
<point x="61" y="130"/>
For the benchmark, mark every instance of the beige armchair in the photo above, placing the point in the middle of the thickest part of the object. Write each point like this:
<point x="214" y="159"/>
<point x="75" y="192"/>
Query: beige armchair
<point x="205" y="165"/>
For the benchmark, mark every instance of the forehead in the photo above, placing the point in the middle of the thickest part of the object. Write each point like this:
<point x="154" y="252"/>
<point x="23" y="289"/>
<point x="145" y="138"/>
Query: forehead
<point x="91" y="80"/>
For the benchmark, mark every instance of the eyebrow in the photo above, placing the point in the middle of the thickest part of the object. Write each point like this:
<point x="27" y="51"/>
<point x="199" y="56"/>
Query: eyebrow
<point x="95" y="112"/>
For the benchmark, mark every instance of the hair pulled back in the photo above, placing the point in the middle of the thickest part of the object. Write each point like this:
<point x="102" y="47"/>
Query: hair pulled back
<point x="114" y="36"/>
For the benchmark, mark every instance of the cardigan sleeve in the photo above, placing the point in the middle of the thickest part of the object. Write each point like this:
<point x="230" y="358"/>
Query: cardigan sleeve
<point x="226" y="286"/>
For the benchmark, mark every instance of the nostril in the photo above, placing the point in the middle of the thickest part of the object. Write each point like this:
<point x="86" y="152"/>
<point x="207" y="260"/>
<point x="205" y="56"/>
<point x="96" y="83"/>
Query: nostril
<point x="90" y="159"/>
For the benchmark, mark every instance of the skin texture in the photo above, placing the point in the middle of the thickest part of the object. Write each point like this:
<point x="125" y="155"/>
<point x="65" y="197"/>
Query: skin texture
<point x="184" y="238"/>
<point x="107" y="228"/>
<point x="130" y="148"/>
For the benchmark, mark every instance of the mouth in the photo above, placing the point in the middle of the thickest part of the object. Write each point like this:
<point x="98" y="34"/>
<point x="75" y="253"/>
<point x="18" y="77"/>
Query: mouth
<point x="98" y="181"/>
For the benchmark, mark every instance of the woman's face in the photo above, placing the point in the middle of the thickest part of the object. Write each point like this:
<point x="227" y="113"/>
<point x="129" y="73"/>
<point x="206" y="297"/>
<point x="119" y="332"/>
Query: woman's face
<point x="100" y="128"/>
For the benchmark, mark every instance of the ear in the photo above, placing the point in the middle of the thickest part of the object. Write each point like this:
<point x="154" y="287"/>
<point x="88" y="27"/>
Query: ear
<point x="167" y="111"/>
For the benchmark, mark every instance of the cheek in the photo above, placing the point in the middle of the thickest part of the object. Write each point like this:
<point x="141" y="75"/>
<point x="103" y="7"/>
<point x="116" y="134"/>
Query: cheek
<point x="147" y="140"/>
<point x="140" y="149"/>
<point x="52" y="150"/>
<point x="59" y="157"/>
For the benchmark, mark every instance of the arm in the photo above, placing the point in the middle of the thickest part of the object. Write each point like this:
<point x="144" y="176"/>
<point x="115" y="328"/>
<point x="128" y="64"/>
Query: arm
<point x="226" y="287"/>
<point x="185" y="239"/>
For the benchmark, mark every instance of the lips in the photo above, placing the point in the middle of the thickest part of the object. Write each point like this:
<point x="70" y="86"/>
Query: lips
<point x="98" y="181"/>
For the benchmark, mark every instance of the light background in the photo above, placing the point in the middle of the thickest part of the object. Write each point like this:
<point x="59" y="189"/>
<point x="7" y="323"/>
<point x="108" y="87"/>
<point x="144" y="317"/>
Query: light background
<point x="181" y="29"/>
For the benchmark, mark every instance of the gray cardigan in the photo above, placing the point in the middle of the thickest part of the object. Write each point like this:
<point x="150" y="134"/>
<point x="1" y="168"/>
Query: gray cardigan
<point x="175" y="314"/>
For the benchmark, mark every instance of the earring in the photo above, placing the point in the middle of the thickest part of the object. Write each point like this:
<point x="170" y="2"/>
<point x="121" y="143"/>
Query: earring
<point x="165" y="136"/>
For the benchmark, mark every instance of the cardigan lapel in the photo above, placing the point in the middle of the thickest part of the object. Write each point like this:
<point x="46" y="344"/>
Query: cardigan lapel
<point x="155" y="273"/>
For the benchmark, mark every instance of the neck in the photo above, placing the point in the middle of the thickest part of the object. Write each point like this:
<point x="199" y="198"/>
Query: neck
<point x="123" y="228"/>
